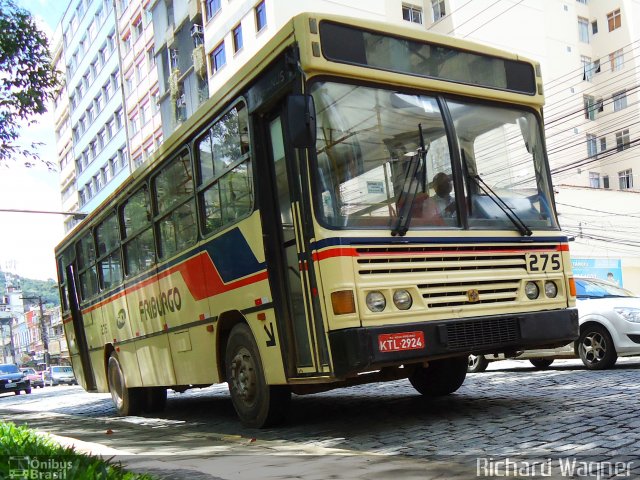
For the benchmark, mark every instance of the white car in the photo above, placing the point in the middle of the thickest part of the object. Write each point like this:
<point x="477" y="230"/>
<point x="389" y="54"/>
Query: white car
<point x="609" y="328"/>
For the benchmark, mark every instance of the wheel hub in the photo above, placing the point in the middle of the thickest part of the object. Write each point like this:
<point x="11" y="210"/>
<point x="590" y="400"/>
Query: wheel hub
<point x="244" y="375"/>
<point x="594" y="347"/>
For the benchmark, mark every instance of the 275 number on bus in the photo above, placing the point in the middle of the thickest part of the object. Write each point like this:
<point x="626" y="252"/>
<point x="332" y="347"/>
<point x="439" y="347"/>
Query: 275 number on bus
<point x="543" y="262"/>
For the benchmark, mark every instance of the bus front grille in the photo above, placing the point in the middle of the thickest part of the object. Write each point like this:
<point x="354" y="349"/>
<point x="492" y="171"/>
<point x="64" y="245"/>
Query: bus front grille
<point x="458" y="294"/>
<point x="481" y="333"/>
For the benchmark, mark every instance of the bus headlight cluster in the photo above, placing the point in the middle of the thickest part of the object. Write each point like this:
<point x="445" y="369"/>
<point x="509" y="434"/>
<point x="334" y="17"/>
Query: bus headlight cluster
<point x="532" y="291"/>
<point x="376" y="301"/>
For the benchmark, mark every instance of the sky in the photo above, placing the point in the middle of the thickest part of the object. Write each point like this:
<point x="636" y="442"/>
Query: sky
<point x="27" y="241"/>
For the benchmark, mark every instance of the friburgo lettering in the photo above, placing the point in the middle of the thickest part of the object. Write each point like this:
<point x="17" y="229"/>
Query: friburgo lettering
<point x="169" y="301"/>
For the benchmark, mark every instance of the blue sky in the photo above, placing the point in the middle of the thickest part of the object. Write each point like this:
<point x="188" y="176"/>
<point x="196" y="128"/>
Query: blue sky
<point x="27" y="240"/>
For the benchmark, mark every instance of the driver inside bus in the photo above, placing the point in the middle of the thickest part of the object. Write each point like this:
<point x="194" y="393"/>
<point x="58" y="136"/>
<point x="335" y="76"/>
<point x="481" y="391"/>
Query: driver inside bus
<point x="441" y="205"/>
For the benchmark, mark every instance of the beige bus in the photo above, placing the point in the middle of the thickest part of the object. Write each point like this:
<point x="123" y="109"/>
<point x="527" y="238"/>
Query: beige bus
<point x="361" y="202"/>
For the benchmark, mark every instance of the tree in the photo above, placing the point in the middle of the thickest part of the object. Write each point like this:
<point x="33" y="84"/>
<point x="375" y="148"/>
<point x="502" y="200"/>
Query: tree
<point x="27" y="81"/>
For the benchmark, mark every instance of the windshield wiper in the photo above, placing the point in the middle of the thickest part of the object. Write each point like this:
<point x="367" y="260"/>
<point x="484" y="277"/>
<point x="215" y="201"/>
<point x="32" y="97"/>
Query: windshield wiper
<point x="522" y="227"/>
<point x="409" y="187"/>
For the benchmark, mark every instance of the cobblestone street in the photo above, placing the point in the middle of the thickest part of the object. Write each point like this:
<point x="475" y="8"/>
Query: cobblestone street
<point x="512" y="410"/>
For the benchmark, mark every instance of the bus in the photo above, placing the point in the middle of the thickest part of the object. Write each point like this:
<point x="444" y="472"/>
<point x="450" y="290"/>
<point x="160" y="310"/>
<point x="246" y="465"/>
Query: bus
<point x="361" y="202"/>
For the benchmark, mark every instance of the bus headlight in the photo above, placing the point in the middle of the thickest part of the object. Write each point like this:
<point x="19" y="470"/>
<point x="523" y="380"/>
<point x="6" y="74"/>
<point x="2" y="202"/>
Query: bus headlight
<point x="376" y="301"/>
<point x="531" y="290"/>
<point x="402" y="299"/>
<point x="550" y="289"/>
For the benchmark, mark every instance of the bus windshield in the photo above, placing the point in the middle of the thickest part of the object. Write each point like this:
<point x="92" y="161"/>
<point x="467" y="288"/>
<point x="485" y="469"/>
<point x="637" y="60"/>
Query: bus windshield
<point x="370" y="138"/>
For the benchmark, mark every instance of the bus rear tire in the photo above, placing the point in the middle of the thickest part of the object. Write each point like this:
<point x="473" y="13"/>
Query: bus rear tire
<point x="441" y="377"/>
<point x="128" y="401"/>
<point x="257" y="404"/>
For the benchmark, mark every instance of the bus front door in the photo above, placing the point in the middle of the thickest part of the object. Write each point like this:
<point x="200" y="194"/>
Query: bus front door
<point x="78" y="331"/>
<point x="306" y="350"/>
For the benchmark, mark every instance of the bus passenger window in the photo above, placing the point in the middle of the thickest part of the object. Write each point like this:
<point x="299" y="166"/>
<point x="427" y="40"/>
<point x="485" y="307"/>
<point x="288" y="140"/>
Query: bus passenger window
<point x="139" y="249"/>
<point x="85" y="252"/>
<point x="109" y="266"/>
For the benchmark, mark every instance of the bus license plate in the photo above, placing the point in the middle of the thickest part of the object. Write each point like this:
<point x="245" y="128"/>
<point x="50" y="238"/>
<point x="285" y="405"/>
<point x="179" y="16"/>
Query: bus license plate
<point x="397" y="342"/>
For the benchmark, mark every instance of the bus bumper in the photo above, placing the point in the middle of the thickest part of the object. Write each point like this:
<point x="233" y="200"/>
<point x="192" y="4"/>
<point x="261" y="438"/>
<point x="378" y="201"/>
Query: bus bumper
<point x="356" y="350"/>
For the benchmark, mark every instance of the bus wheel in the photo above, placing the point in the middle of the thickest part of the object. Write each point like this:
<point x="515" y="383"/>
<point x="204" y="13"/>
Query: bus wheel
<point x="441" y="377"/>
<point x="128" y="401"/>
<point x="155" y="399"/>
<point x="256" y="403"/>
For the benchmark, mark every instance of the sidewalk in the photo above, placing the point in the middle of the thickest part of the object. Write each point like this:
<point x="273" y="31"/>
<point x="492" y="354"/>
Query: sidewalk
<point x="165" y="450"/>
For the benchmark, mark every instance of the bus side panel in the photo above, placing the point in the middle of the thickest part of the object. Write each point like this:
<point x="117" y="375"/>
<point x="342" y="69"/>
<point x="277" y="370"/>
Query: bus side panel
<point x="154" y="362"/>
<point x="184" y="303"/>
<point x="243" y="287"/>
<point x="129" y="363"/>
<point x="99" y="372"/>
<point x="92" y="324"/>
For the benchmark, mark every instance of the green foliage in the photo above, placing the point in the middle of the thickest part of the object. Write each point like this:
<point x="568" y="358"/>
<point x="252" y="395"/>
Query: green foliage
<point x="47" y="289"/>
<point x="55" y="459"/>
<point x="27" y="82"/>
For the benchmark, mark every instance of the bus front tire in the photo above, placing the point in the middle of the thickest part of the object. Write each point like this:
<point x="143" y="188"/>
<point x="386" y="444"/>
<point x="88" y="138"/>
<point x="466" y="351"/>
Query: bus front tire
<point x="257" y="404"/>
<point x="441" y="377"/>
<point x="128" y="401"/>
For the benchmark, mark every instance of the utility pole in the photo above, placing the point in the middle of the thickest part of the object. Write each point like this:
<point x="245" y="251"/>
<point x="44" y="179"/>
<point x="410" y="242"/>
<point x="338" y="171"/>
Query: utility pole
<point x="43" y="330"/>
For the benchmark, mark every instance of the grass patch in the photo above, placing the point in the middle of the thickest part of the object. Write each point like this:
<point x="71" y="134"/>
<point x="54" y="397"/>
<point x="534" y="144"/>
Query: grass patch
<point x="24" y="454"/>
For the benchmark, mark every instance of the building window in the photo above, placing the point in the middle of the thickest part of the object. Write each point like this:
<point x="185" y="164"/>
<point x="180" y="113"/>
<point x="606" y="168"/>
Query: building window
<point x="619" y="100"/>
<point x="594" y="179"/>
<point x="584" y="2"/>
<point x="411" y="13"/>
<point x="617" y="60"/>
<point x="261" y="16"/>
<point x="605" y="181"/>
<point x="138" y="29"/>
<point x="594" y="27"/>
<point x="587" y="68"/>
<point x="218" y="58"/>
<point x="583" y="30"/>
<point x="237" y="38"/>
<point x="614" y="19"/>
<point x="213" y="7"/>
<point x="622" y="140"/>
<point x="603" y="144"/>
<point x="439" y="10"/>
<point x="625" y="178"/>
<point x="592" y="145"/>
<point x="589" y="107"/>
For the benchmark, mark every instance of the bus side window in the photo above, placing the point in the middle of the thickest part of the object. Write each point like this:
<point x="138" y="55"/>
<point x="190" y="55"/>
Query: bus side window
<point x="225" y="181"/>
<point x="109" y="264"/>
<point x="173" y="190"/>
<point x="138" y="249"/>
<point x="86" y="255"/>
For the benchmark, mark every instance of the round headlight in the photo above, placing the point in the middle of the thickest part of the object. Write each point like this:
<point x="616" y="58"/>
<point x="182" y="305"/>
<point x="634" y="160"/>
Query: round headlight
<point x="376" y="301"/>
<point x="550" y="289"/>
<point x="531" y="290"/>
<point x="402" y="299"/>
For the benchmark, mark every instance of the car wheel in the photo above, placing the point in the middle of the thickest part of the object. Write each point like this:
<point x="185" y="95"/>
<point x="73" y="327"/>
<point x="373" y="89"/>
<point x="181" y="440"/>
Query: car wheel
<point x="17" y="392"/>
<point x="441" y="377"/>
<point x="541" y="363"/>
<point x="128" y="401"/>
<point x="596" y="348"/>
<point x="477" y="364"/>
<point x="27" y="391"/>
<point x="256" y="403"/>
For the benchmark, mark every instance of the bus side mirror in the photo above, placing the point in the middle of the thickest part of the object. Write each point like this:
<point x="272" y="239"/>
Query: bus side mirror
<point x="301" y="120"/>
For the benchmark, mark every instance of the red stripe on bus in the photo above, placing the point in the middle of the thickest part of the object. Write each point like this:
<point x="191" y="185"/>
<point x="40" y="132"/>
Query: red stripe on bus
<point x="335" y="252"/>
<point x="200" y="276"/>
